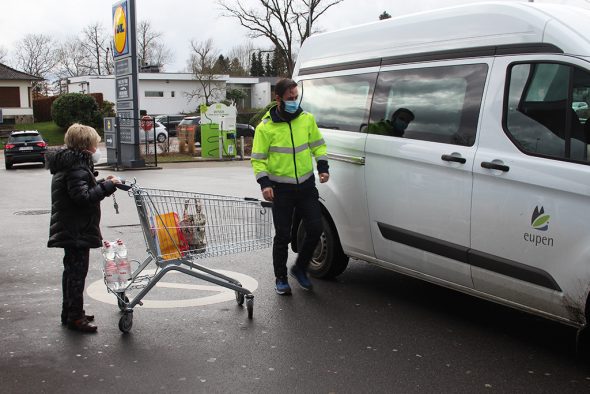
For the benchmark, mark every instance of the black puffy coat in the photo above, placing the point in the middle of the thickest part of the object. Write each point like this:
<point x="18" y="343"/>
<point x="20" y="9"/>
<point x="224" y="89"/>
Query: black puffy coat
<point x="75" y="200"/>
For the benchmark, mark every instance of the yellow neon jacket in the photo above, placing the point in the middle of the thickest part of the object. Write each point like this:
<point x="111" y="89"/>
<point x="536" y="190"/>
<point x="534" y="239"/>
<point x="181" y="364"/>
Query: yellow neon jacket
<point x="282" y="150"/>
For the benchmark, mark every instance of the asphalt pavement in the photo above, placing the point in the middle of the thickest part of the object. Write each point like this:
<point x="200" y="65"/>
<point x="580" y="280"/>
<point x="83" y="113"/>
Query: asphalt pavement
<point x="370" y="330"/>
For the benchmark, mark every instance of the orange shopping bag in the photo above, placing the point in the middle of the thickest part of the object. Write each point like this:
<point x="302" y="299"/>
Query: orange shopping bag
<point x="170" y="239"/>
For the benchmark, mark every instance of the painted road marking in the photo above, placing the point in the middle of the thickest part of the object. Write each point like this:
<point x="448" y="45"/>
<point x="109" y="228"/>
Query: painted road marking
<point x="98" y="291"/>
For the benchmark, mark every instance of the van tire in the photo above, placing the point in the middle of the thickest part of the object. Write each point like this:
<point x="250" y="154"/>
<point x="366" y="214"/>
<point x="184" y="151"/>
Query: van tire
<point x="328" y="259"/>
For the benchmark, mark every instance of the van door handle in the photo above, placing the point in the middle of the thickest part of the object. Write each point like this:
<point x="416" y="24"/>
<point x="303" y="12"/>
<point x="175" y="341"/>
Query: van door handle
<point x="455" y="159"/>
<point x="494" y="166"/>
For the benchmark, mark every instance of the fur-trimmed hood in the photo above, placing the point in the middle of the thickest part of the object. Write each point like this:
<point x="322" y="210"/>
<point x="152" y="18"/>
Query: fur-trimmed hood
<point x="66" y="158"/>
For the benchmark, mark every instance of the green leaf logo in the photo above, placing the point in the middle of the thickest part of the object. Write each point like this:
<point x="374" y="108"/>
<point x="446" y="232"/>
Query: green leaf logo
<point x="540" y="220"/>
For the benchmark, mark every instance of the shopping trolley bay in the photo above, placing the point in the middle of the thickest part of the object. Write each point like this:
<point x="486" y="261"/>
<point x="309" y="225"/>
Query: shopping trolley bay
<point x="191" y="335"/>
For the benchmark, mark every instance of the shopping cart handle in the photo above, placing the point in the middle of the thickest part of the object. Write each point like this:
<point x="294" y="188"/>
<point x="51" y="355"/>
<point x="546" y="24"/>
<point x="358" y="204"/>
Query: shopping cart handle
<point x="122" y="186"/>
<point x="266" y="204"/>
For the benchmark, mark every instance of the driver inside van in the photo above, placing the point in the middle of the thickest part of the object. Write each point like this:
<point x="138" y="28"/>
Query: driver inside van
<point x="396" y="127"/>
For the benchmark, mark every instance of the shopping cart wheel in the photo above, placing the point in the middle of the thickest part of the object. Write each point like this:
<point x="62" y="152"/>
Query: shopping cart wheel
<point x="250" y="305"/>
<point x="240" y="298"/>
<point x="126" y="322"/>
<point x="120" y="303"/>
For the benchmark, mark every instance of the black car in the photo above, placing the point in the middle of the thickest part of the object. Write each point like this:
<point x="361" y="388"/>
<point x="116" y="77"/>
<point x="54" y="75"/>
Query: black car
<point x="171" y="122"/>
<point x="24" y="147"/>
<point x="244" y="130"/>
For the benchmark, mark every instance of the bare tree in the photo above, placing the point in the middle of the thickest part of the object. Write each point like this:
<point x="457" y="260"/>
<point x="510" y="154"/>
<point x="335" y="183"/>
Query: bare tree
<point x="3" y="54"/>
<point x="109" y="62"/>
<point x="286" y="23"/>
<point x="202" y="65"/>
<point x="35" y="54"/>
<point x="150" y="48"/>
<point x="95" y="42"/>
<point x="243" y="53"/>
<point x="71" y="59"/>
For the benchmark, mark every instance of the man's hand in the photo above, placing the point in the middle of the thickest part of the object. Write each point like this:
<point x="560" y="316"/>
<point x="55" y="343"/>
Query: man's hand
<point x="268" y="193"/>
<point x="324" y="177"/>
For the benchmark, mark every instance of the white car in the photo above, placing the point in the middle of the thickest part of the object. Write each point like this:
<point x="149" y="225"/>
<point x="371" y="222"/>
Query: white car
<point x="161" y="134"/>
<point x="579" y="105"/>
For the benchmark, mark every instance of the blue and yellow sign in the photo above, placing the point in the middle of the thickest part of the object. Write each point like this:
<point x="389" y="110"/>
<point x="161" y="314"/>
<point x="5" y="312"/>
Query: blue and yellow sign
<point x="120" y="29"/>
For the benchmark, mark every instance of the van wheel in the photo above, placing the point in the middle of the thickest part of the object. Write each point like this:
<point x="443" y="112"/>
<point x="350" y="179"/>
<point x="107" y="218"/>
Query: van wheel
<point x="583" y="343"/>
<point x="328" y="259"/>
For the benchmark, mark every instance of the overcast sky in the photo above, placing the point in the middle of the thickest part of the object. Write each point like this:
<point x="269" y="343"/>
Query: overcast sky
<point x="182" y="20"/>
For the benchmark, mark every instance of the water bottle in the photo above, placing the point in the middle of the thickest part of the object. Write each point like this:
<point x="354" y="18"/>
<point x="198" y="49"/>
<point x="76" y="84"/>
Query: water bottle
<point x="123" y="266"/>
<point x="111" y="273"/>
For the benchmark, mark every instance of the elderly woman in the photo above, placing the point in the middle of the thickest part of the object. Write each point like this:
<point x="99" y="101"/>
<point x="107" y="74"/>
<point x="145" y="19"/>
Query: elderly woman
<point x="75" y="216"/>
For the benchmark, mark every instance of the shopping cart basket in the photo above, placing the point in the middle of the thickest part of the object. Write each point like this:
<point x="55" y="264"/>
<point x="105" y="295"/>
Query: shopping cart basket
<point x="181" y="227"/>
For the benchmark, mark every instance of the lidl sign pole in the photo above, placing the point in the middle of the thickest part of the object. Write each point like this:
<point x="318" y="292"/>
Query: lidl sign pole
<point x="125" y="56"/>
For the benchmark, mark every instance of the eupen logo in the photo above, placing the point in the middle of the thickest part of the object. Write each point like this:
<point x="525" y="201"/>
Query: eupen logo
<point x="540" y="223"/>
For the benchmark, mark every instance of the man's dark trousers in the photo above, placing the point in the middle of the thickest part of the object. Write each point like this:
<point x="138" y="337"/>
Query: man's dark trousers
<point x="304" y="199"/>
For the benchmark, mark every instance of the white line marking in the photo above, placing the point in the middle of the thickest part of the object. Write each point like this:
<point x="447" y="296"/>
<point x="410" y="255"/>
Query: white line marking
<point x="97" y="291"/>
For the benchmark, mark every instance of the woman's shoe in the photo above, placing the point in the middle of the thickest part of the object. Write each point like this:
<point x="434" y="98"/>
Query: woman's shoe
<point x="82" y="325"/>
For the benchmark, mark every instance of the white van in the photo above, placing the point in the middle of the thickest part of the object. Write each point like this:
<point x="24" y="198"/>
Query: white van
<point x="487" y="190"/>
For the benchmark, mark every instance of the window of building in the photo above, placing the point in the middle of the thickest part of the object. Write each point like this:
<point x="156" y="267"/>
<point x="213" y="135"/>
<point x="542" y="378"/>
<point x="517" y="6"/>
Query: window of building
<point x="172" y="93"/>
<point x="149" y="93"/>
<point x="439" y="104"/>
<point x="10" y="97"/>
<point x="339" y="103"/>
<point x="546" y="110"/>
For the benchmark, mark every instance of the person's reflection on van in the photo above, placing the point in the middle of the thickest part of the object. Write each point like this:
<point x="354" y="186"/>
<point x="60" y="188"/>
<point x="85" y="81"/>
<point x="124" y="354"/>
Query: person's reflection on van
<point x="396" y="127"/>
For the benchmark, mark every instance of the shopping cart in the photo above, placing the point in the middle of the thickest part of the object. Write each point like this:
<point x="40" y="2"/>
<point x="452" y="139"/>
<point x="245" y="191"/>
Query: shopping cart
<point x="181" y="227"/>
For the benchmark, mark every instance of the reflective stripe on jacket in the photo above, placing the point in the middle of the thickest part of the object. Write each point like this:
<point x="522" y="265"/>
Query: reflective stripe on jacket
<point x="283" y="150"/>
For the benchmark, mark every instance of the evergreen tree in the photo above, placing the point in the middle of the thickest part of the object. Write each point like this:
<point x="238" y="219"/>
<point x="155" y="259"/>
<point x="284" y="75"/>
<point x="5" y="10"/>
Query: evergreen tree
<point x="221" y="65"/>
<point x="279" y="65"/>
<point x="268" y="71"/>
<point x="259" y="65"/>
<point x="236" y="69"/>
<point x="253" y="69"/>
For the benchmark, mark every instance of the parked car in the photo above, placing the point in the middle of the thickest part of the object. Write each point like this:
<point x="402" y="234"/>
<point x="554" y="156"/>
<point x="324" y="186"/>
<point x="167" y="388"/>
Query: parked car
<point x="24" y="147"/>
<point x="191" y="123"/>
<point x="161" y="134"/>
<point x="244" y="130"/>
<point x="171" y="122"/>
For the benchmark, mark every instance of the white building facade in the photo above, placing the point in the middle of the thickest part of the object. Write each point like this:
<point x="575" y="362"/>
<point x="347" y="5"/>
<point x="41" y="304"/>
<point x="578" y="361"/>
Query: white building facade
<point x="16" y="99"/>
<point x="175" y="93"/>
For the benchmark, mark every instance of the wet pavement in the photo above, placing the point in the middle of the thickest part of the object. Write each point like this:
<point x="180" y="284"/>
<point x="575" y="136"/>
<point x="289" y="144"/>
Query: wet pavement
<point x="370" y="330"/>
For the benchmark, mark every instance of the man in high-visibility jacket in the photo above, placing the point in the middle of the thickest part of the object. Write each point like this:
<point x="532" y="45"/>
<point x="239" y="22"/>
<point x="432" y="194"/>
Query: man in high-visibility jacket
<point x="284" y="143"/>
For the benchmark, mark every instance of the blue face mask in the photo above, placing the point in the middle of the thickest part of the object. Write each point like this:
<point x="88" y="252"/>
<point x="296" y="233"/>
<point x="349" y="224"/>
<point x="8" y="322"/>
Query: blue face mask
<point x="291" y="106"/>
<point x="400" y="125"/>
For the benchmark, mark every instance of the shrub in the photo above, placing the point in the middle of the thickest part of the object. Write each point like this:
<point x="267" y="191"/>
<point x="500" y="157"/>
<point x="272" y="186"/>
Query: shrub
<point x="107" y="109"/>
<point x="258" y="117"/>
<point x="76" y="108"/>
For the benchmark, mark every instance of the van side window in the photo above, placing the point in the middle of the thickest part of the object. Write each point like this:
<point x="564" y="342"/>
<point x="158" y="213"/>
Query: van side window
<point x="339" y="103"/>
<point x="546" y="110"/>
<point x="439" y="104"/>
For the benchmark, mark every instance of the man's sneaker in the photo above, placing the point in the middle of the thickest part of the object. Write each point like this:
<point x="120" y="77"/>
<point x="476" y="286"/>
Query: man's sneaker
<point x="301" y="277"/>
<point x="282" y="286"/>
